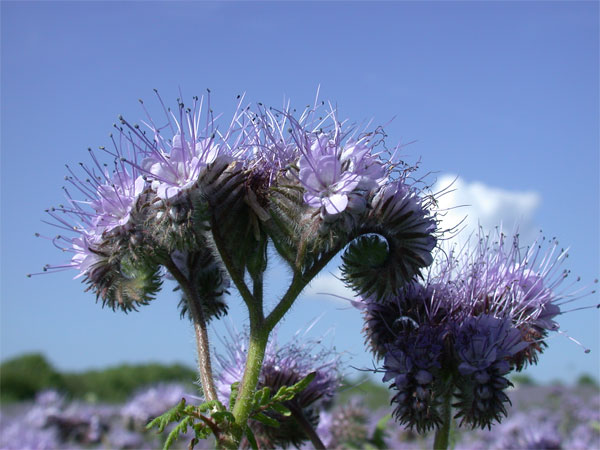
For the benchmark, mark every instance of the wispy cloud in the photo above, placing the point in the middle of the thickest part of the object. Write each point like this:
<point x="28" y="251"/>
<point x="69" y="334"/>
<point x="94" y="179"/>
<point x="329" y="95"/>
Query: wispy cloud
<point x="469" y="205"/>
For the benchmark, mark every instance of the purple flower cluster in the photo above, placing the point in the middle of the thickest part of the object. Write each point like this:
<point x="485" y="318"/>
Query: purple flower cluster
<point x="542" y="417"/>
<point x="461" y="330"/>
<point x="52" y="422"/>
<point x="283" y="366"/>
<point x="312" y="183"/>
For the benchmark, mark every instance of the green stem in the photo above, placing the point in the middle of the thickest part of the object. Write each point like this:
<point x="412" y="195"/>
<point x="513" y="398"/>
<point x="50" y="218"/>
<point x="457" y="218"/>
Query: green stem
<point x="200" y="329"/>
<point x="243" y="404"/>
<point x="442" y="435"/>
<point x="259" y="336"/>
<point x="286" y="302"/>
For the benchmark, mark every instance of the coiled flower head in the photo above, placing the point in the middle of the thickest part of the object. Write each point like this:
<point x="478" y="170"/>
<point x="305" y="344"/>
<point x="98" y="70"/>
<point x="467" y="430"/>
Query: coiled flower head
<point x="491" y="309"/>
<point x="413" y="362"/>
<point x="484" y="346"/>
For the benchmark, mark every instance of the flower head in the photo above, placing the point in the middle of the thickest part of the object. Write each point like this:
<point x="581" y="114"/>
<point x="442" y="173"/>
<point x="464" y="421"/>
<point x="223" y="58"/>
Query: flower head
<point x="486" y="311"/>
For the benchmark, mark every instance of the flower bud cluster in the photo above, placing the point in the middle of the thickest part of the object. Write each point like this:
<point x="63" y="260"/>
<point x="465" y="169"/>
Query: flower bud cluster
<point x="464" y="327"/>
<point x="309" y="183"/>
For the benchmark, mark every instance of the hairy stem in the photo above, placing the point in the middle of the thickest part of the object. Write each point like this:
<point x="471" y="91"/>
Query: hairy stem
<point x="256" y="353"/>
<point x="259" y="336"/>
<point x="307" y="427"/>
<point x="442" y="435"/>
<point x="286" y="301"/>
<point x="200" y="330"/>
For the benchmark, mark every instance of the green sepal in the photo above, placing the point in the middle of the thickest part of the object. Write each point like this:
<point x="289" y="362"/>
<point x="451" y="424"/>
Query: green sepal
<point x="210" y="280"/>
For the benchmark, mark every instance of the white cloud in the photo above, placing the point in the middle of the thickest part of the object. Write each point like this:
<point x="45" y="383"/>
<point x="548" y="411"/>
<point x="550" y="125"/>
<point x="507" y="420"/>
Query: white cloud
<point x="475" y="204"/>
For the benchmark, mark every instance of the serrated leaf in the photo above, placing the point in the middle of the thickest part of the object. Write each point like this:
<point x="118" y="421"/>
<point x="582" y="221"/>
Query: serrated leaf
<point x="262" y="396"/>
<point x="201" y="430"/>
<point x="303" y="383"/>
<point x="206" y="406"/>
<point x="172" y="415"/>
<point x="266" y="420"/>
<point x="235" y="389"/>
<point x="283" y="394"/>
<point x="181" y="428"/>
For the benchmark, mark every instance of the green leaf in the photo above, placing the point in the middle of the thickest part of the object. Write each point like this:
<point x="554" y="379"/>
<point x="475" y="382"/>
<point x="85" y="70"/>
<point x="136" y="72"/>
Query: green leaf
<point x="211" y="405"/>
<point x="202" y="431"/>
<point x="303" y="383"/>
<point x="251" y="438"/>
<point x="172" y="415"/>
<point x="221" y="416"/>
<point x="281" y="409"/>
<point x="262" y="396"/>
<point x="180" y="428"/>
<point x="264" y="419"/>
<point x="235" y="389"/>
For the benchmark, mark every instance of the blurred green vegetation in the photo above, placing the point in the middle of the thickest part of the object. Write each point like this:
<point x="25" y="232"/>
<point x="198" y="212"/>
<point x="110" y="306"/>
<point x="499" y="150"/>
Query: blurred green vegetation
<point x="520" y="379"/>
<point x="374" y="394"/>
<point x="587" y="380"/>
<point x="22" y="377"/>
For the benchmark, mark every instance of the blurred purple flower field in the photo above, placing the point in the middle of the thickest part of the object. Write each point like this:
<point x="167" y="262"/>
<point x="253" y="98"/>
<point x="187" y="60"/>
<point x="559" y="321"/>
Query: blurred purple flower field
<point x="542" y="417"/>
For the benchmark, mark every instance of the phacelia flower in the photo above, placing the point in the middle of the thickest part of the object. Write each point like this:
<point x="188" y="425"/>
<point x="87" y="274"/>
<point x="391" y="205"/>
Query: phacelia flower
<point x="331" y="173"/>
<point x="488" y="311"/>
<point x="105" y="212"/>
<point x="174" y="164"/>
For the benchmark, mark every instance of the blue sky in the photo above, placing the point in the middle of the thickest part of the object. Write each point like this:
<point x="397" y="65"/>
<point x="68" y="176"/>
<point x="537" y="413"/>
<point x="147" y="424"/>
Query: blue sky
<point x="503" y="95"/>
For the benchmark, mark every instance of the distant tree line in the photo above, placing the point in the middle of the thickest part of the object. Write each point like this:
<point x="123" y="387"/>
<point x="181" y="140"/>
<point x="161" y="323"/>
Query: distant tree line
<point x="22" y="377"/>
